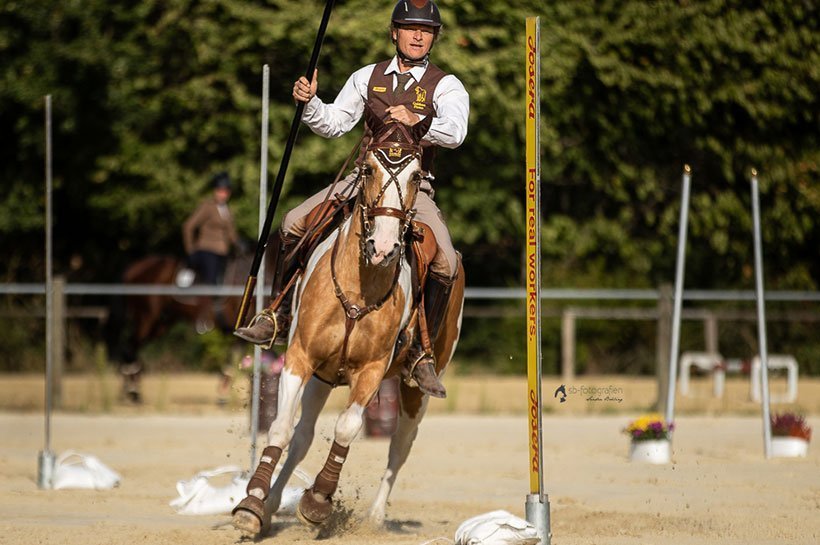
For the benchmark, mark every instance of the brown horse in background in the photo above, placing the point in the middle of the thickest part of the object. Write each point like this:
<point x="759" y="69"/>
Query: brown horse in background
<point x="135" y="320"/>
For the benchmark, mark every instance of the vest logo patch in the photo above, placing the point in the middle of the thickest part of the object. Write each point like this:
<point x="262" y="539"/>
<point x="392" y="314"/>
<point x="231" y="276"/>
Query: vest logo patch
<point x="379" y="89"/>
<point x="394" y="152"/>
<point x="421" y="98"/>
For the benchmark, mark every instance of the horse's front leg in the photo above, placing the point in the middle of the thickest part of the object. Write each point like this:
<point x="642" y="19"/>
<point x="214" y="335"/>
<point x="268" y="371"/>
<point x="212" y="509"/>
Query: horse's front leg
<point x="413" y="407"/>
<point x="250" y="516"/>
<point x="316" y="504"/>
<point x="313" y="400"/>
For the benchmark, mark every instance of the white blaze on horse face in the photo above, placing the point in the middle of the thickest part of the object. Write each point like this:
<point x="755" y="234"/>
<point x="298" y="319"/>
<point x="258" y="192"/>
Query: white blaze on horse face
<point x="386" y="233"/>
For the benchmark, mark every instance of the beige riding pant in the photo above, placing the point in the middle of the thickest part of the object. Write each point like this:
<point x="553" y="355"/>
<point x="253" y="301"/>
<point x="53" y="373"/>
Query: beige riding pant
<point x="443" y="265"/>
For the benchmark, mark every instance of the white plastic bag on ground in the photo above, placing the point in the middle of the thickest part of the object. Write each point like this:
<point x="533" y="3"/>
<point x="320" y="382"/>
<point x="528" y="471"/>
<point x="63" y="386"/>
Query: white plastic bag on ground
<point x="198" y="496"/>
<point x="76" y="470"/>
<point x="496" y="528"/>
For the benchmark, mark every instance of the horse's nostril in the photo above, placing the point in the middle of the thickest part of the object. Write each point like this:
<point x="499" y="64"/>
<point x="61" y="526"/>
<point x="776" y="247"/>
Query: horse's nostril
<point x="370" y="246"/>
<point x="394" y="251"/>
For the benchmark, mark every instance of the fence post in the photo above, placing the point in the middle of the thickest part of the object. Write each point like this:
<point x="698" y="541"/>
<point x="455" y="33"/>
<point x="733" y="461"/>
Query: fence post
<point x="662" y="345"/>
<point x="710" y="327"/>
<point x="568" y="345"/>
<point x="58" y="325"/>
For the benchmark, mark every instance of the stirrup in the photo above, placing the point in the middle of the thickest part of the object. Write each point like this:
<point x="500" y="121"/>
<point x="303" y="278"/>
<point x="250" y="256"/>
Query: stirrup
<point x="433" y="390"/>
<point x="269" y="315"/>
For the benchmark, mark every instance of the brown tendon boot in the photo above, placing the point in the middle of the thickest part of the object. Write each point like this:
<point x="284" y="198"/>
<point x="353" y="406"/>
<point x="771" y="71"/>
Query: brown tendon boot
<point x="271" y="326"/>
<point x="421" y="370"/>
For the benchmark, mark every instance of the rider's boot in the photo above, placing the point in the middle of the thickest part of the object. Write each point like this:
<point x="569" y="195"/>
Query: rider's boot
<point x="421" y="370"/>
<point x="271" y="326"/>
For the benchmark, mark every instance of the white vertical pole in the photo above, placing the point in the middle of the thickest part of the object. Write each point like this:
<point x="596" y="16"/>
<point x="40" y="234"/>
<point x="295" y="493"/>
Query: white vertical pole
<point x="761" y="319"/>
<point x="674" y="345"/>
<point x="45" y="462"/>
<point x="536" y="507"/>
<point x="260" y="290"/>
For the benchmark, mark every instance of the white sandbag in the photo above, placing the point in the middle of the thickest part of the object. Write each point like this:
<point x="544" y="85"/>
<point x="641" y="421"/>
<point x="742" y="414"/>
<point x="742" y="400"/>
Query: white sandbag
<point x="76" y="470"/>
<point x="199" y="496"/>
<point x="496" y="528"/>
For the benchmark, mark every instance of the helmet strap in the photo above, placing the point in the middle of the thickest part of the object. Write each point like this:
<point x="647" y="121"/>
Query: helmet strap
<point x="411" y="62"/>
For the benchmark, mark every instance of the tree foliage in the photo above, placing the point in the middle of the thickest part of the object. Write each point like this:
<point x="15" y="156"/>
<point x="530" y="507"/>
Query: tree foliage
<point x="151" y="97"/>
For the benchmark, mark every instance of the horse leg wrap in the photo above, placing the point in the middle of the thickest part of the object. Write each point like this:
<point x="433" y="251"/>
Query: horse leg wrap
<point x="316" y="504"/>
<point x="264" y="471"/>
<point x="328" y="478"/>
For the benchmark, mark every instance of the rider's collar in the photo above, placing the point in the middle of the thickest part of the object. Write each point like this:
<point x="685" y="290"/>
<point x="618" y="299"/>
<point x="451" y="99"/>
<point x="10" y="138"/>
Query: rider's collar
<point x="417" y="70"/>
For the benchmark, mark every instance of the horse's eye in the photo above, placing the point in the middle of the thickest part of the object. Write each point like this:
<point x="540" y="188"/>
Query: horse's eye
<point x="417" y="177"/>
<point x="367" y="170"/>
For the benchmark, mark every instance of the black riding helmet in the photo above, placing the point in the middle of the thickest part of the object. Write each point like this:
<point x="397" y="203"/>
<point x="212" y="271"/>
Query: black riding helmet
<point x="221" y="180"/>
<point x="415" y="12"/>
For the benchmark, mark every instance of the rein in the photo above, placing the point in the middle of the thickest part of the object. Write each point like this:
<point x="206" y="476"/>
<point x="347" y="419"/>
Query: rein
<point x="384" y="151"/>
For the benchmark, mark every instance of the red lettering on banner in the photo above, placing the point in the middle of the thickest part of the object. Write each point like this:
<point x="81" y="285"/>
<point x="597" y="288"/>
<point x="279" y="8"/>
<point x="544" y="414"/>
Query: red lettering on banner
<point x="534" y="446"/>
<point x="531" y="78"/>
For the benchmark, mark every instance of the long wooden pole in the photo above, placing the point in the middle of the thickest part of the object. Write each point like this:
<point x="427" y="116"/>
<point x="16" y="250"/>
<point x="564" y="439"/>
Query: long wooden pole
<point x="262" y="244"/>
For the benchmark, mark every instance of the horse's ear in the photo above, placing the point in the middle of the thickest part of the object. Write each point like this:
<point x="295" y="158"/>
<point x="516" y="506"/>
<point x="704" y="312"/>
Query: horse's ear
<point x="420" y="129"/>
<point x="373" y="121"/>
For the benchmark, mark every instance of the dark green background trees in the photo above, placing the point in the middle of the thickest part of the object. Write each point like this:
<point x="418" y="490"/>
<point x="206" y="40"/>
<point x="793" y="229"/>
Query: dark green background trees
<point x="151" y="97"/>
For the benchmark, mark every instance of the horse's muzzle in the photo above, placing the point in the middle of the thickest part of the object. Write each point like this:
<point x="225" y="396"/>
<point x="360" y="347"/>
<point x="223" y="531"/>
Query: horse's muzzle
<point x="380" y="257"/>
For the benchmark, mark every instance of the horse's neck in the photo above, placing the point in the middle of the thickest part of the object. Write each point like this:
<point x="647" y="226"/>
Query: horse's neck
<point x="370" y="283"/>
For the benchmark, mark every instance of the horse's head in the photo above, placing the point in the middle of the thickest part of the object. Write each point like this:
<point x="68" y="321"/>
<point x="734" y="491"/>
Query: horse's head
<point x="390" y="178"/>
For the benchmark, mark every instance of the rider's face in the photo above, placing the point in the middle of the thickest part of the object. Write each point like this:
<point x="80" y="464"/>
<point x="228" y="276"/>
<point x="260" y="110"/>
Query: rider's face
<point x="414" y="41"/>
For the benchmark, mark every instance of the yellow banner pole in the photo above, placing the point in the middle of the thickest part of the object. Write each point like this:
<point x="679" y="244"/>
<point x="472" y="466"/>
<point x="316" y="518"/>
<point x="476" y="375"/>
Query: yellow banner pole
<point x="537" y="504"/>
<point x="533" y="192"/>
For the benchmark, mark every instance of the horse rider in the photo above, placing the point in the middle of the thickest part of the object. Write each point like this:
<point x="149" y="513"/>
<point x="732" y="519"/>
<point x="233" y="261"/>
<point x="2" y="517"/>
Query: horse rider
<point x="404" y="89"/>
<point x="209" y="232"/>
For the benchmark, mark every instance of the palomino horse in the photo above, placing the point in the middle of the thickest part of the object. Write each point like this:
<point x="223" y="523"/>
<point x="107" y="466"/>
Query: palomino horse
<point x="137" y="319"/>
<point x="354" y="312"/>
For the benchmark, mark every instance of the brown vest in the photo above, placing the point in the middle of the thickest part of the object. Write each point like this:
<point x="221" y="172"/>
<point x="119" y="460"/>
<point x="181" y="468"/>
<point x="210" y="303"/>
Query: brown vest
<point x="418" y="99"/>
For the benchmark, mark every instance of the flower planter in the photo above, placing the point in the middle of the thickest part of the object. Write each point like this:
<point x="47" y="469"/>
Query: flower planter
<point x="654" y="451"/>
<point x="789" y="447"/>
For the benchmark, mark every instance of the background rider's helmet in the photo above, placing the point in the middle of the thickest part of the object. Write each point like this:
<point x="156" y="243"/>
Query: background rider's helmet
<point x="221" y="180"/>
<point x="416" y="12"/>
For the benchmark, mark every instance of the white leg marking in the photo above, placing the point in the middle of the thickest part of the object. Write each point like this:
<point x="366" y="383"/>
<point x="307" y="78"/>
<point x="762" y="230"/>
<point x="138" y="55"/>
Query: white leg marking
<point x="400" y="445"/>
<point x="349" y="424"/>
<point x="313" y="400"/>
<point x="290" y="390"/>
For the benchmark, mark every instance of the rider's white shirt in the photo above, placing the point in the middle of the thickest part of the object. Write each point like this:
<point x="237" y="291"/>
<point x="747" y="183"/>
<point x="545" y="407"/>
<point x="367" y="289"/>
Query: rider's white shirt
<point x="450" y="100"/>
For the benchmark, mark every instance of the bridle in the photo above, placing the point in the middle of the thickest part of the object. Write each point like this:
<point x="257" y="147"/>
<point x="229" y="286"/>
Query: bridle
<point x="394" y="156"/>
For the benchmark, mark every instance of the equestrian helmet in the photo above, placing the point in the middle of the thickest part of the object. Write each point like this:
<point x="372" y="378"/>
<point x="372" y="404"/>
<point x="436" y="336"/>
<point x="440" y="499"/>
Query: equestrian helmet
<point x="416" y="12"/>
<point x="221" y="180"/>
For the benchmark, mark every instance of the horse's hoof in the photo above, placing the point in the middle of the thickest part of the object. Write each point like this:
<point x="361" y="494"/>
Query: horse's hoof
<point x="314" y="508"/>
<point x="247" y="516"/>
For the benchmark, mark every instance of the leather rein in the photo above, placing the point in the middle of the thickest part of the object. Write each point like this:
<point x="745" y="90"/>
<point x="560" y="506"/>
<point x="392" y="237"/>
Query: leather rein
<point x="394" y="157"/>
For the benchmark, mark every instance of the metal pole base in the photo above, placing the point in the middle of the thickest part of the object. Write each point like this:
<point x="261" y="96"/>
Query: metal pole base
<point x="537" y="509"/>
<point x="45" y="469"/>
